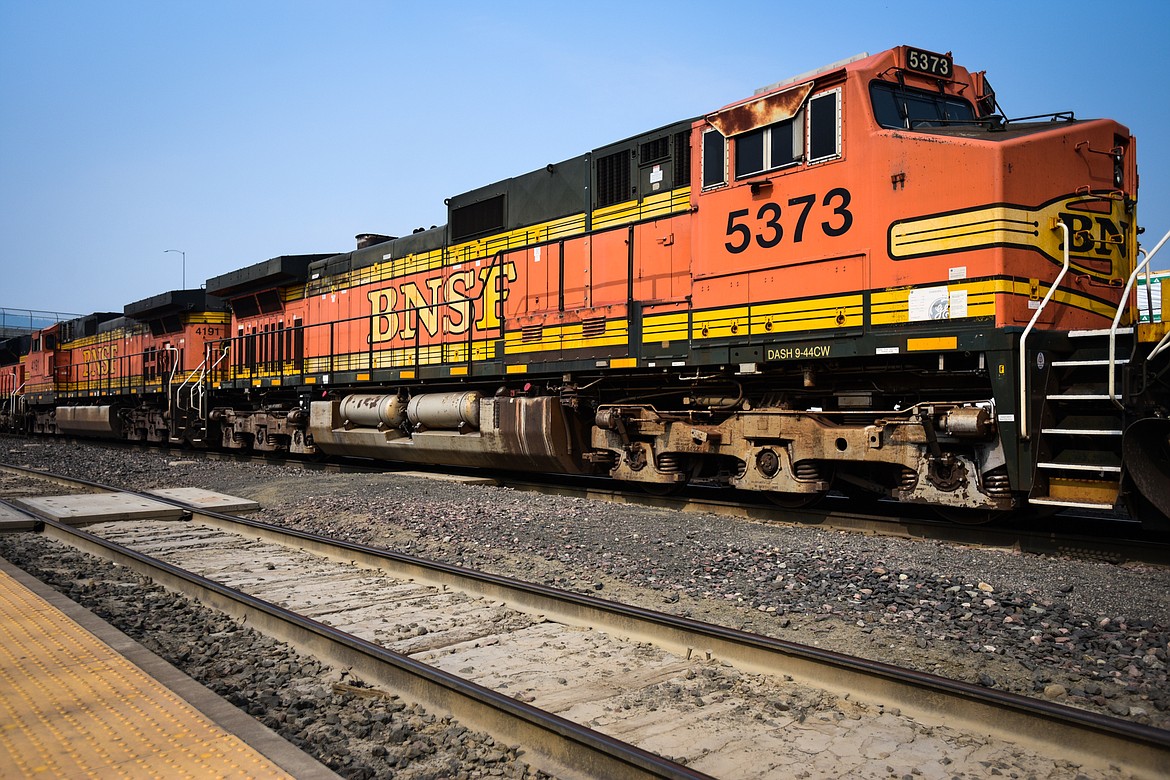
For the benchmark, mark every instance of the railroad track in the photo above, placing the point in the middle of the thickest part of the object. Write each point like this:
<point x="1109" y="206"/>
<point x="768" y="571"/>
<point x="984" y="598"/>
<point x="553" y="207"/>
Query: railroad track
<point x="576" y="680"/>
<point x="1084" y="537"/>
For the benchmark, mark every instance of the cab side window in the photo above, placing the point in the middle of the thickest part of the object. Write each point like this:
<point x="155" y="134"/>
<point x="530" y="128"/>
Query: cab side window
<point x="824" y="127"/>
<point x="714" y="159"/>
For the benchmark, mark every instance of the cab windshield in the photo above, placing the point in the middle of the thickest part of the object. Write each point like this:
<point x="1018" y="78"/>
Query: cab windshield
<point x="904" y="108"/>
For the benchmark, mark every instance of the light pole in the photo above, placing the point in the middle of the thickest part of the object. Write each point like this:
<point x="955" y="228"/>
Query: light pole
<point x="184" y="254"/>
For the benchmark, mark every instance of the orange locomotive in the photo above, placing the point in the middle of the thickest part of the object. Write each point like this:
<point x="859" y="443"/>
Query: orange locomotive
<point x="12" y="351"/>
<point x="133" y="377"/>
<point x="862" y="279"/>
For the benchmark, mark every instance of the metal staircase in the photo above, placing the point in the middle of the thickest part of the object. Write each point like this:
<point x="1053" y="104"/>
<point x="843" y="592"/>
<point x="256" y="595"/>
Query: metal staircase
<point x="1079" y="450"/>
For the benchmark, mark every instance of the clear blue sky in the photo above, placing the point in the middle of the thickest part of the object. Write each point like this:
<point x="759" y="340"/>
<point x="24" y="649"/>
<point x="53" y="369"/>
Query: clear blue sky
<point x="238" y="131"/>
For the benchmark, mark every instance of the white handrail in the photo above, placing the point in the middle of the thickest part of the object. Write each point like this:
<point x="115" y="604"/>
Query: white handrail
<point x="1162" y="346"/>
<point x="1023" y="416"/>
<point x="203" y="396"/>
<point x="179" y="392"/>
<point x="14" y="395"/>
<point x="1121" y="309"/>
<point x="171" y="381"/>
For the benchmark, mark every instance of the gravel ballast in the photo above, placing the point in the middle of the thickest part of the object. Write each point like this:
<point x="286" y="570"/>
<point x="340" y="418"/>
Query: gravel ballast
<point x="1089" y="634"/>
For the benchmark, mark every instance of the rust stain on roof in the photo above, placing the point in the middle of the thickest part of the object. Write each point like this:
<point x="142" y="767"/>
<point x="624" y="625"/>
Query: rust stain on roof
<point x="760" y="112"/>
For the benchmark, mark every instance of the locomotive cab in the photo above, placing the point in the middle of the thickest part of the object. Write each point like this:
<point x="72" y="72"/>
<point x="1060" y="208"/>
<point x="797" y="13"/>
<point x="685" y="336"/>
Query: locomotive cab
<point x="876" y="311"/>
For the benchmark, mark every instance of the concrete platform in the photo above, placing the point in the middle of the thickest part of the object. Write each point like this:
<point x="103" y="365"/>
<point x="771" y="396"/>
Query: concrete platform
<point x="15" y="520"/>
<point x="98" y="508"/>
<point x="207" y="499"/>
<point x="80" y="699"/>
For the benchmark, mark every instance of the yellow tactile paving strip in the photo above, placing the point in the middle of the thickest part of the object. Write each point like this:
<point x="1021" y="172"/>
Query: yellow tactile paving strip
<point x="72" y="707"/>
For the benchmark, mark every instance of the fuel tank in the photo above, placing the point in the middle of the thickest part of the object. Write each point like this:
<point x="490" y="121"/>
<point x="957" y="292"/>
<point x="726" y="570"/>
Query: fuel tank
<point x="90" y="421"/>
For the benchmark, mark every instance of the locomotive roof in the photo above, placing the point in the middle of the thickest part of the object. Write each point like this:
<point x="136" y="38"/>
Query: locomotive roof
<point x="12" y="349"/>
<point x="276" y="272"/>
<point x="118" y="323"/>
<point x="173" y="301"/>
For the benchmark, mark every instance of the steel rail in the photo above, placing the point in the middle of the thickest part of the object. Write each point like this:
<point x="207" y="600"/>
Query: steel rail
<point x="554" y="744"/>
<point x="1054" y="729"/>
<point x="912" y="522"/>
<point x="1118" y="543"/>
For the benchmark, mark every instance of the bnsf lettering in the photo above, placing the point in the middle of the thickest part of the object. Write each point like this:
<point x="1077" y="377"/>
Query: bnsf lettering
<point x="769" y="228"/>
<point x="440" y="305"/>
<point x="105" y="352"/>
<point x="1094" y="235"/>
<point x="98" y="361"/>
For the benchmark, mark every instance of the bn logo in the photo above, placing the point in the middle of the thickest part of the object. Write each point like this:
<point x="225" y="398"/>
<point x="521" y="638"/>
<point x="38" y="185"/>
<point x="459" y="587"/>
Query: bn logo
<point x="1095" y="235"/>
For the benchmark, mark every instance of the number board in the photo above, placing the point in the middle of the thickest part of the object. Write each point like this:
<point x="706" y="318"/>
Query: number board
<point x="929" y="62"/>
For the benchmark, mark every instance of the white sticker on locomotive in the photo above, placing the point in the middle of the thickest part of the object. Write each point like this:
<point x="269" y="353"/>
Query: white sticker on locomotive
<point x="928" y="303"/>
<point x="958" y="304"/>
<point x="937" y="303"/>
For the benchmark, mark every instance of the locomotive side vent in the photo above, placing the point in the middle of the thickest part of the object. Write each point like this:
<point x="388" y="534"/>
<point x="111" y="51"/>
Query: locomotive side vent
<point x="682" y="158"/>
<point x="531" y="333"/>
<point x="478" y="219"/>
<point x="594" y="326"/>
<point x="613" y="179"/>
<point x="653" y="151"/>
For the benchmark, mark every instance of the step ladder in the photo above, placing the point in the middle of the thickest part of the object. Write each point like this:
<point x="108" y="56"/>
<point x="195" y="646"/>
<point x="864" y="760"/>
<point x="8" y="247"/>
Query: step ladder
<point x="1079" y="460"/>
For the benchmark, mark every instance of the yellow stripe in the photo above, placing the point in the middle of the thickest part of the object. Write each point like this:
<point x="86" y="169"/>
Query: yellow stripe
<point x="208" y="318"/>
<point x="665" y="327"/>
<point x="623" y="363"/>
<point x="406" y="375"/>
<point x="891" y="307"/>
<point x="556" y="337"/>
<point x="662" y="204"/>
<point x="458" y="370"/>
<point x="1012" y="226"/>
<point x="481" y="249"/>
<point x="404" y="357"/>
<point x="940" y="342"/>
<point x="521" y="369"/>
<point x="781" y="317"/>
<point x="519" y="347"/>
